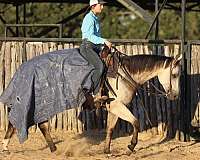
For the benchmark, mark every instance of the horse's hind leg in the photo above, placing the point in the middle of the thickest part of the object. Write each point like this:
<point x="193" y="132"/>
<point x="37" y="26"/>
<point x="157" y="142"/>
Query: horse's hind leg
<point x="44" y="129"/>
<point x="111" y="122"/>
<point x="8" y="135"/>
<point x="122" y="112"/>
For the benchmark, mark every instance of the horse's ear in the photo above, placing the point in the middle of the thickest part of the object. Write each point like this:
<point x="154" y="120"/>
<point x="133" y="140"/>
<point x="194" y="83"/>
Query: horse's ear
<point x="177" y="59"/>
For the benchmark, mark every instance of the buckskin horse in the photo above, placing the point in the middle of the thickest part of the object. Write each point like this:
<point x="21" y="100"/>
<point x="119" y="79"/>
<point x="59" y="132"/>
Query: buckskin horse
<point x="132" y="72"/>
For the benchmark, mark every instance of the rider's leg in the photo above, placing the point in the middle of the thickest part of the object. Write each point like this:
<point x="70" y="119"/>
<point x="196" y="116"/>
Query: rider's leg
<point x="88" y="51"/>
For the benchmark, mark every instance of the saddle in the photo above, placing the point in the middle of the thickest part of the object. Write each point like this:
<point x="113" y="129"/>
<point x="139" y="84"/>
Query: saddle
<point x="111" y="62"/>
<point x="111" y="69"/>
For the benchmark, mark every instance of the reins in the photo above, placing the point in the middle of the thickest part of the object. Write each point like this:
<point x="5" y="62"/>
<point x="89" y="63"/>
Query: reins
<point x="133" y="83"/>
<point x="129" y="80"/>
<point x="170" y="84"/>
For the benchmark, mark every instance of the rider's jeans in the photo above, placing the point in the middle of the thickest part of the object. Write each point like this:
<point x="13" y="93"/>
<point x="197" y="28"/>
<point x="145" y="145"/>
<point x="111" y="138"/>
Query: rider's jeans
<point x="90" y="52"/>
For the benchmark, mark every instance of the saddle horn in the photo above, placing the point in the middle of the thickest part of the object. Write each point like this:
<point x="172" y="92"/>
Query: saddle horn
<point x="105" y="51"/>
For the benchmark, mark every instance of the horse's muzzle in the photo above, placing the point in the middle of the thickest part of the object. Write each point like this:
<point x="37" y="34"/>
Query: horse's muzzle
<point x="172" y="96"/>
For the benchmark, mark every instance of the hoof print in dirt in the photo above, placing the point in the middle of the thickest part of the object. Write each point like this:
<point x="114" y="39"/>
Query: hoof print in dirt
<point x="128" y="153"/>
<point x="6" y="152"/>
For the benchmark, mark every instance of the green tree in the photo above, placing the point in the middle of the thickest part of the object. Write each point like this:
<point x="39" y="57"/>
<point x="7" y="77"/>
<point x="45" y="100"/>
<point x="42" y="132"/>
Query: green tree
<point x="116" y="23"/>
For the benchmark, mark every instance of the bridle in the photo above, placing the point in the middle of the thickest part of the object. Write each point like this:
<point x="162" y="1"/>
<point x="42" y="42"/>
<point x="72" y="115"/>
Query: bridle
<point x="169" y="91"/>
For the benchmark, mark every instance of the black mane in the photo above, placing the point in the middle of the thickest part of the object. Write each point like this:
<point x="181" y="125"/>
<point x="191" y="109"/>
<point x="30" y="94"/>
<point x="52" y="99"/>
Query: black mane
<point x="141" y="63"/>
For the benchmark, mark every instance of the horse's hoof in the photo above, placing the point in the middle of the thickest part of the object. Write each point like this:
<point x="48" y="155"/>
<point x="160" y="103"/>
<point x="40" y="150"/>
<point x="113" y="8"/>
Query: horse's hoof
<point x="131" y="148"/>
<point x="7" y="152"/>
<point x="53" y="148"/>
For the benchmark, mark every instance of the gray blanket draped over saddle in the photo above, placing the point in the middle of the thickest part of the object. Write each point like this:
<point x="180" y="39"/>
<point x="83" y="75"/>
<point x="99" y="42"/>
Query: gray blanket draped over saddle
<point x="44" y="86"/>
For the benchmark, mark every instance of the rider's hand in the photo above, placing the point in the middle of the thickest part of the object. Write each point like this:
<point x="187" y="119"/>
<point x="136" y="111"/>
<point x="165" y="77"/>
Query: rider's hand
<point x="109" y="44"/>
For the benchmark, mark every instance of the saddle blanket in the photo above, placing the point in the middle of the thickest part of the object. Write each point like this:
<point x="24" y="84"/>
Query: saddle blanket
<point x="44" y="86"/>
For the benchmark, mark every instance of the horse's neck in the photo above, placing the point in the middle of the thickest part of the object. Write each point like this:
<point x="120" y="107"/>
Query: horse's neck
<point x="142" y="77"/>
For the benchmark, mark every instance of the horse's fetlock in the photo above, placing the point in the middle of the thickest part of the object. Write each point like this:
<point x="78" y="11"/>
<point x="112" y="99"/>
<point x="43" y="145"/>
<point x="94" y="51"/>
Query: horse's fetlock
<point x="132" y="146"/>
<point x="134" y="142"/>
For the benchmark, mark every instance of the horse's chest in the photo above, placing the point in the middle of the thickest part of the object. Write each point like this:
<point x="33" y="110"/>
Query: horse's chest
<point x="123" y="91"/>
<point x="125" y="98"/>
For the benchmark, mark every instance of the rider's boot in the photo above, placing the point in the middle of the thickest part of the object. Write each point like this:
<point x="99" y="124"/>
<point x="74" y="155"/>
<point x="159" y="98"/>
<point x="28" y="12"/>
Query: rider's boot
<point x="89" y="99"/>
<point x="101" y="96"/>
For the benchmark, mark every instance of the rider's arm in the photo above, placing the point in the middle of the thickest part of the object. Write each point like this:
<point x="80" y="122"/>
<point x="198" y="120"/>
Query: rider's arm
<point x="91" y="29"/>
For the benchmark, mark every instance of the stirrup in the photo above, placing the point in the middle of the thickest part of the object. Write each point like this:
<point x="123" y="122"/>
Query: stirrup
<point x="101" y="99"/>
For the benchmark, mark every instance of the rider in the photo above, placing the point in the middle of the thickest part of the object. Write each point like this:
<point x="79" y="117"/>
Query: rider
<point x="91" y="45"/>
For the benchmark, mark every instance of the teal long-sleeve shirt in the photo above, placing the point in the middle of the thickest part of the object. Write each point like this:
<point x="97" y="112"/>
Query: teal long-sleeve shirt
<point x="91" y="29"/>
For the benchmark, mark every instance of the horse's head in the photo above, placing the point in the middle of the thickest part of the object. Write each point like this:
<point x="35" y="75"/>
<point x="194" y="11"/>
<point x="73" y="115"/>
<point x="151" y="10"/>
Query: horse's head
<point x="170" y="78"/>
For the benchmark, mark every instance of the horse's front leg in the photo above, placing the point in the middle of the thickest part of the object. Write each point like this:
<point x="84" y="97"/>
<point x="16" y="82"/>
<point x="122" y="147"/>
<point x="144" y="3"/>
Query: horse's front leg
<point x="120" y="110"/>
<point x="111" y="122"/>
<point x="8" y="135"/>
<point x="134" y="139"/>
<point x="44" y="129"/>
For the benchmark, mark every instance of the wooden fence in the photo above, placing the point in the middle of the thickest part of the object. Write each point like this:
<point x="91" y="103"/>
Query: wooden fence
<point x="159" y="116"/>
<point x="194" y="79"/>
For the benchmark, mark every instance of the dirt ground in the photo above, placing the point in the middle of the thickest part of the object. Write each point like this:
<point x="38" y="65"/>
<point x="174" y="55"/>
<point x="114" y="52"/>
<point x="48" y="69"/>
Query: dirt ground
<point x="90" y="147"/>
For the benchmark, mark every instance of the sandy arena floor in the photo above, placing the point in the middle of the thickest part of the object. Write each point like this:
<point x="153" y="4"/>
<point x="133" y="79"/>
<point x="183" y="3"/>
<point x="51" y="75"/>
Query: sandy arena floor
<point x="90" y="147"/>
